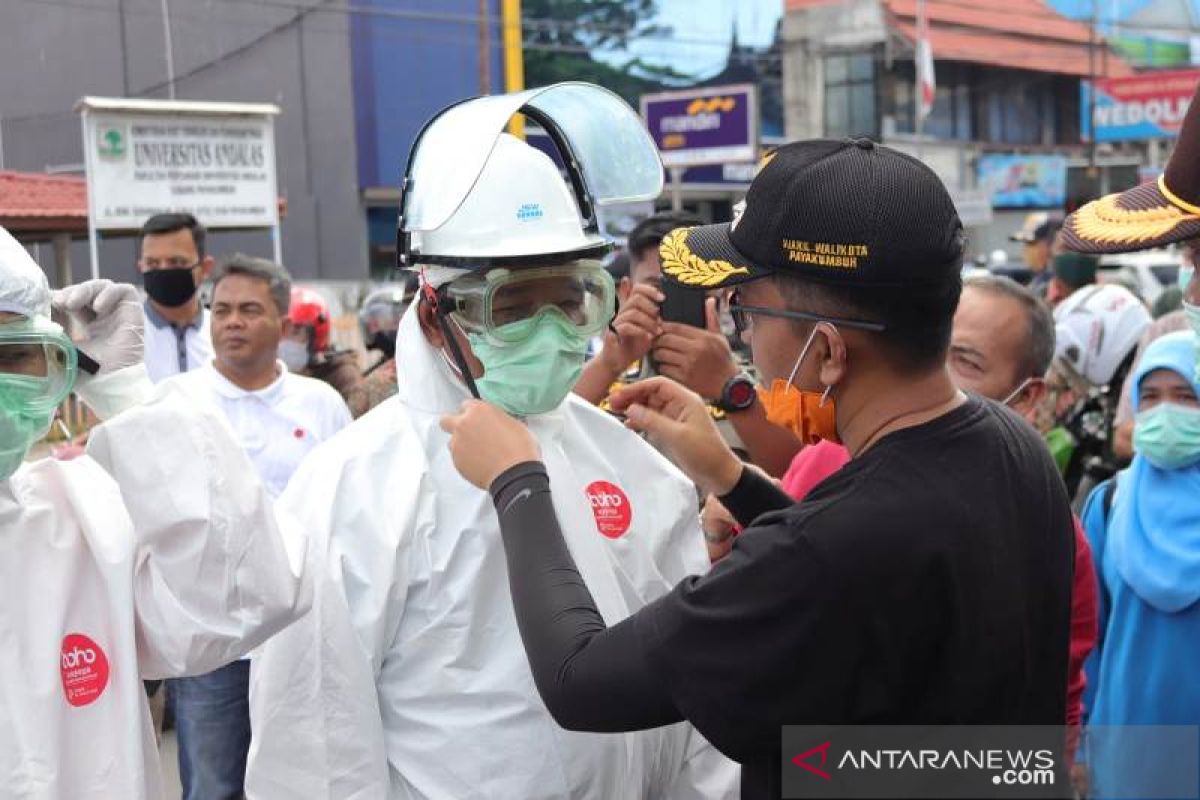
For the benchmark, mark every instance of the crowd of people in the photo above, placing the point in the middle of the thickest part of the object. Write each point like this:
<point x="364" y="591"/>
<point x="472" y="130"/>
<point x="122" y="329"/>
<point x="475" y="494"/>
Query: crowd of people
<point x="595" y="523"/>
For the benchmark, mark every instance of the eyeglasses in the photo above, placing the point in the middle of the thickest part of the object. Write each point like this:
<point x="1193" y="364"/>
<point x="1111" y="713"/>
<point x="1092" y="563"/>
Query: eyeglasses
<point x="167" y="263"/>
<point x="742" y="316"/>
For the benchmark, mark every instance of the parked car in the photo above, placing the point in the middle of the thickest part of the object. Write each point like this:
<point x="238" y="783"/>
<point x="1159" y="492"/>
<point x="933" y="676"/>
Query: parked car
<point x="1147" y="272"/>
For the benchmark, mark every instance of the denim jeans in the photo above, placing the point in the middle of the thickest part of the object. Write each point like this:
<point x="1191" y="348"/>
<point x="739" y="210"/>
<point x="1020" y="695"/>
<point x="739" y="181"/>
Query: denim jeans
<point x="212" y="721"/>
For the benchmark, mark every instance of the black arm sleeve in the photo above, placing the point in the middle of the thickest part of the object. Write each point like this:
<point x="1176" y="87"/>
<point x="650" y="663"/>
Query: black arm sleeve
<point x="591" y="678"/>
<point x="754" y="495"/>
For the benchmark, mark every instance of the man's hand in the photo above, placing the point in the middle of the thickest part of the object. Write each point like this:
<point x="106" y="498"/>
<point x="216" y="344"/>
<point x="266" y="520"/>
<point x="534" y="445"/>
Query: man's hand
<point x="485" y="441"/>
<point x="110" y="315"/>
<point x="637" y="324"/>
<point x="677" y="421"/>
<point x="700" y="359"/>
<point x="718" y="526"/>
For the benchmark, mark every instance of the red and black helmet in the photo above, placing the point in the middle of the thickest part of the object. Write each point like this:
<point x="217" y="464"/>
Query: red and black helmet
<point x="308" y="309"/>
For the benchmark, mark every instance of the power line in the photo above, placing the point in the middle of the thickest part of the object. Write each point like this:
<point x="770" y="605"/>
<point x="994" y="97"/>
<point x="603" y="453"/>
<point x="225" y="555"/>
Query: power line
<point x="761" y="59"/>
<point x="539" y="23"/>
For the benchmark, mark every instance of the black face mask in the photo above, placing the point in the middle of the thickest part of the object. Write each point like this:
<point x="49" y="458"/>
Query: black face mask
<point x="170" y="287"/>
<point x="384" y="341"/>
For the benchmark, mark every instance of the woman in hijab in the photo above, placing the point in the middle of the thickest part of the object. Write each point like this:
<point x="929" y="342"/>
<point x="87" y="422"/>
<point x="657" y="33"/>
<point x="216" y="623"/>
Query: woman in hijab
<point x="1144" y="528"/>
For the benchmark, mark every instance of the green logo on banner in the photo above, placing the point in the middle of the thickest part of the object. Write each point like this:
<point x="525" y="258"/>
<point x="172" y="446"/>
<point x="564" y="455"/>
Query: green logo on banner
<point x="110" y="142"/>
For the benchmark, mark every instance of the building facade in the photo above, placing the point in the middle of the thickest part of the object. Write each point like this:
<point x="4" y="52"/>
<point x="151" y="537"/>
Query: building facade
<point x="354" y="81"/>
<point x="1004" y="131"/>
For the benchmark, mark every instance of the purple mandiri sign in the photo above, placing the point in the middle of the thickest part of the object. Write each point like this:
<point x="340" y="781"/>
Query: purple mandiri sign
<point x="709" y="125"/>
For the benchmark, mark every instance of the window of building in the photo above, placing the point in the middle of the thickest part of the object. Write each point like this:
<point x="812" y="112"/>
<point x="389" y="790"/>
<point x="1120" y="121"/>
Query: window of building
<point x="381" y="237"/>
<point x="851" y="103"/>
<point x="950" y="117"/>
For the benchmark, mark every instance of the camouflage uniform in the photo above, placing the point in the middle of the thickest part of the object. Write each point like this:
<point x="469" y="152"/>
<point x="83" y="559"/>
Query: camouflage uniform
<point x="375" y="387"/>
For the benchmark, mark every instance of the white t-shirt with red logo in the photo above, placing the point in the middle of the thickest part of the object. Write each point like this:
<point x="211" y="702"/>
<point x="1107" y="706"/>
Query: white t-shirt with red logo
<point x="157" y="555"/>
<point x="278" y="425"/>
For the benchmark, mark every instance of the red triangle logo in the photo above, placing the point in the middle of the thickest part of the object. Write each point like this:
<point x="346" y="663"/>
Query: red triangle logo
<point x="802" y="760"/>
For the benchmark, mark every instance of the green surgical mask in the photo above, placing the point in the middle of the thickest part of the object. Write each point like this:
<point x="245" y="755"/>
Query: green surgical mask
<point x="1168" y="435"/>
<point x="537" y="370"/>
<point x="22" y="422"/>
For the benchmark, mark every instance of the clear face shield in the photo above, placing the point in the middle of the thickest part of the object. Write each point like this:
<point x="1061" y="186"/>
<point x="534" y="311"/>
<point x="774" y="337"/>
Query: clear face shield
<point x="38" y="366"/>
<point x="503" y="305"/>
<point x="607" y="154"/>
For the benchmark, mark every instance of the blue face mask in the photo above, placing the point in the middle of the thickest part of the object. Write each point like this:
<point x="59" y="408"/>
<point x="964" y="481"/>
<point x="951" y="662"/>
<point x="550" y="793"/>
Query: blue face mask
<point x="540" y="367"/>
<point x="1168" y="435"/>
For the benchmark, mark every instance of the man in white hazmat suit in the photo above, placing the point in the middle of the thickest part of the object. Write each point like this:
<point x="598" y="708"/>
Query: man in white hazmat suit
<point x="408" y="680"/>
<point x="155" y="555"/>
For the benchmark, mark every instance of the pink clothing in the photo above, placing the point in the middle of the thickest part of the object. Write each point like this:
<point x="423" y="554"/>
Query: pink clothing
<point x="812" y="465"/>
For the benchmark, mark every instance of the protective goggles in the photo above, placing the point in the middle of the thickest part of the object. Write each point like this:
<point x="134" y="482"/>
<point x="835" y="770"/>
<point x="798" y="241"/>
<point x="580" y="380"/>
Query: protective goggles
<point x="38" y="365"/>
<point x="489" y="303"/>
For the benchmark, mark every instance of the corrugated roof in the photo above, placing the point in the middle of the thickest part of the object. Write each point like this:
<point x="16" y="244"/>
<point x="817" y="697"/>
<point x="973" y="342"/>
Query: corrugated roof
<point x="1019" y="34"/>
<point x="34" y="201"/>
<point x="1017" y="52"/>
<point x="1025" y="17"/>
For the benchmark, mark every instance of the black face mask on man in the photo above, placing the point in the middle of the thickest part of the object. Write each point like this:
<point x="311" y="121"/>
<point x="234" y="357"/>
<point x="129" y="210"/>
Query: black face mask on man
<point x="170" y="287"/>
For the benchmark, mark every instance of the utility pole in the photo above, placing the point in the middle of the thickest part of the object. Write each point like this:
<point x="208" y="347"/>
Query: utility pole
<point x="919" y="108"/>
<point x="485" y="49"/>
<point x="169" y="46"/>
<point x="1092" y="91"/>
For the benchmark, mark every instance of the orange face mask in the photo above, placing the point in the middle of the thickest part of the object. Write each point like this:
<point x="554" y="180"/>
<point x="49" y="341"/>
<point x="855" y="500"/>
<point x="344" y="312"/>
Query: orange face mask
<point x="811" y="416"/>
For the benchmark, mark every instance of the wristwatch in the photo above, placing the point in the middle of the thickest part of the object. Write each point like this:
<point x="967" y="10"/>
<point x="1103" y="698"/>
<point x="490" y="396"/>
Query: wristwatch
<point x="738" y="394"/>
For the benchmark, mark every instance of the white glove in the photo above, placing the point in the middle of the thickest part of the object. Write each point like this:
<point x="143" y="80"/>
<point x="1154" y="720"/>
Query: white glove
<point x="110" y="317"/>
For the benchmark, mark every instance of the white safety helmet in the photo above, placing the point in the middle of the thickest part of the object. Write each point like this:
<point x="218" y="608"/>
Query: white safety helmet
<point x="474" y="197"/>
<point x="520" y="206"/>
<point x="1096" y="329"/>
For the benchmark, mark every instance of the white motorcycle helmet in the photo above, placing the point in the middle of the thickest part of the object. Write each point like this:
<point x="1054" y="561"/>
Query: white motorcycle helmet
<point x="1096" y="329"/>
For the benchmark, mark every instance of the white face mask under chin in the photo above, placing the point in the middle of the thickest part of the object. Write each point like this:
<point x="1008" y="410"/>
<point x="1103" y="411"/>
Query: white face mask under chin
<point x="293" y="354"/>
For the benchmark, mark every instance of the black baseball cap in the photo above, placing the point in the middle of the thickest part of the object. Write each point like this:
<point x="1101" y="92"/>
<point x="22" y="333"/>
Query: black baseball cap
<point x="841" y="212"/>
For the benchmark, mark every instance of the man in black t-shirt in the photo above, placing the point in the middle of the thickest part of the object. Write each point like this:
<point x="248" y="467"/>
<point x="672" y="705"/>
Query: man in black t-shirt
<point x="928" y="581"/>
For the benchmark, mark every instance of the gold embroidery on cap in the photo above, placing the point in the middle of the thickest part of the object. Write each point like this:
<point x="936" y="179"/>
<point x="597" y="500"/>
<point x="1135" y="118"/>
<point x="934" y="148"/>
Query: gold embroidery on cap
<point x="825" y="254"/>
<point x="1104" y="221"/>
<point x="1174" y="198"/>
<point x="683" y="265"/>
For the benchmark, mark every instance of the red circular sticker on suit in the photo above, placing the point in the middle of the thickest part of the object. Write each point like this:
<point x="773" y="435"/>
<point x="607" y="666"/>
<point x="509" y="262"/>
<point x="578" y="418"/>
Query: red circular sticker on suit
<point x="611" y="507"/>
<point x="84" y="669"/>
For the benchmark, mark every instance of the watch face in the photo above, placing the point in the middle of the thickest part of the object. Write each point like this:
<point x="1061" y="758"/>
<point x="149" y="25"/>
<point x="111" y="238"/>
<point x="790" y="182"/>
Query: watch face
<point x="741" y="394"/>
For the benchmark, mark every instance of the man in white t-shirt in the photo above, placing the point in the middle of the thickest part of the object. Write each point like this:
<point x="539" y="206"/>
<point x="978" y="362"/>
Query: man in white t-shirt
<point x="173" y="264"/>
<point x="277" y="417"/>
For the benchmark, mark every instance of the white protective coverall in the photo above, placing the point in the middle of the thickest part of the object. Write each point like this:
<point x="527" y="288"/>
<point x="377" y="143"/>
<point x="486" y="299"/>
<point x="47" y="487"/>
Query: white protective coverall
<point x="156" y="555"/>
<point x="408" y="679"/>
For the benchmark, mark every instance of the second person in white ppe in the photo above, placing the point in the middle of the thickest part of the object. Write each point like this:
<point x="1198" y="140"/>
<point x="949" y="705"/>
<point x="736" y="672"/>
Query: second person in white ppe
<point x="157" y="554"/>
<point x="408" y="679"/>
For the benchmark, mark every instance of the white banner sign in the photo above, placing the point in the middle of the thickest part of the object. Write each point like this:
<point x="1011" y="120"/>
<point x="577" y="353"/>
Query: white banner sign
<point x="220" y="168"/>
